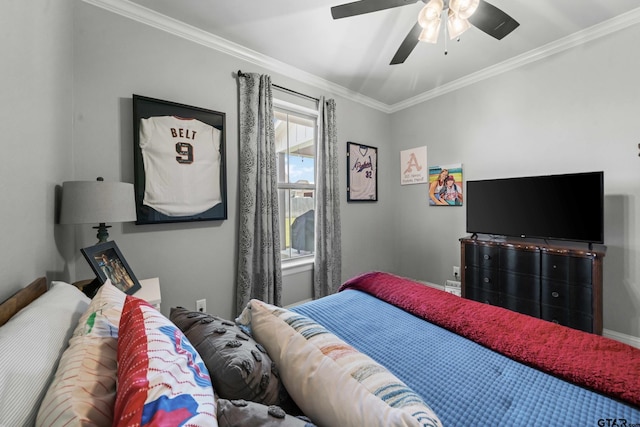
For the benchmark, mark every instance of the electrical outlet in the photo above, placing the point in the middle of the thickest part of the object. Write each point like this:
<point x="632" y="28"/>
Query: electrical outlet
<point x="456" y="271"/>
<point x="201" y="305"/>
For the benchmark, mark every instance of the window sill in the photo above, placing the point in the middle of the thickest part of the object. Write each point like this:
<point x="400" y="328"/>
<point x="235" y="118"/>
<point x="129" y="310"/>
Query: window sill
<point x="296" y="266"/>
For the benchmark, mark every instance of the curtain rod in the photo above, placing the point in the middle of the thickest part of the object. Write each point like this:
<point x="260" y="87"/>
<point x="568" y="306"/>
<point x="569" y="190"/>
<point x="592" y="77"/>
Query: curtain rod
<point x="284" y="89"/>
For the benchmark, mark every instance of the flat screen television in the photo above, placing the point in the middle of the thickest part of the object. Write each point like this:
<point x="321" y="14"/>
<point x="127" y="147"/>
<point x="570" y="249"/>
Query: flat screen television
<point x="557" y="207"/>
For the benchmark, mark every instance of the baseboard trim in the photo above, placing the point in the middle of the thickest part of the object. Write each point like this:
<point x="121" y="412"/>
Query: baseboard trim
<point x="627" y="339"/>
<point x="430" y="284"/>
<point x="298" y="303"/>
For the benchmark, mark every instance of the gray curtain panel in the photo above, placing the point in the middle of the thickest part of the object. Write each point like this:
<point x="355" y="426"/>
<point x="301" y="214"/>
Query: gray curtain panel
<point x="259" y="272"/>
<point x="328" y="252"/>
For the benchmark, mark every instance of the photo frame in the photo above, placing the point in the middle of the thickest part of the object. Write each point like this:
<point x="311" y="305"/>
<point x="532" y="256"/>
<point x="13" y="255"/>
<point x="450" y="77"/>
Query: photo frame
<point x="445" y="185"/>
<point x="179" y="162"/>
<point x="362" y="173"/>
<point x="107" y="262"/>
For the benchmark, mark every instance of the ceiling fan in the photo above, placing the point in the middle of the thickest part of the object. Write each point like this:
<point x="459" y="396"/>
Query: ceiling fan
<point x="459" y="15"/>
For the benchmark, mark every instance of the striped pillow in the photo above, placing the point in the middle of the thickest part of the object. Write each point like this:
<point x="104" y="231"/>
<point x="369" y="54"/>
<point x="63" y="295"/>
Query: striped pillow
<point x="83" y="390"/>
<point x="162" y="380"/>
<point x="332" y="382"/>
<point x="31" y="344"/>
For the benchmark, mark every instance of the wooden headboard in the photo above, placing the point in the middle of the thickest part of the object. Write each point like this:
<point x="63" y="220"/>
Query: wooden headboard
<point x="21" y="299"/>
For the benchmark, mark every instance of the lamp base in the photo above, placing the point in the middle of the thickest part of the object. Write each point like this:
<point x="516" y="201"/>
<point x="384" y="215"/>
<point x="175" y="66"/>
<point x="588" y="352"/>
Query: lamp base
<point x="103" y="234"/>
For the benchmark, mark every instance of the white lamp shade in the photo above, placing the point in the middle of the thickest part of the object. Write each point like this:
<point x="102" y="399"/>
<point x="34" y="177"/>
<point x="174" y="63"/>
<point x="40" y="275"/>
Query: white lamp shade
<point x="430" y="13"/>
<point x="94" y="202"/>
<point x="456" y="25"/>
<point x="430" y="33"/>
<point x="464" y="8"/>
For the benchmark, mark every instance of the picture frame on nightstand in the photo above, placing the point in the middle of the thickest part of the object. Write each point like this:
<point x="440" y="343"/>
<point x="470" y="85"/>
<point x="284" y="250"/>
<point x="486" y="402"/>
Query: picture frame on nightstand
<point x="107" y="262"/>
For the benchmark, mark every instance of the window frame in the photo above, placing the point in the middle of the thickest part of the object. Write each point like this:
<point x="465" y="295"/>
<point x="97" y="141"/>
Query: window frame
<point x="305" y="262"/>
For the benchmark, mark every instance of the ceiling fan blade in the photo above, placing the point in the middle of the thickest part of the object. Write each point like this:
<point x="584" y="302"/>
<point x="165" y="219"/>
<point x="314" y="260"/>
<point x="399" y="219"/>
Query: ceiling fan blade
<point x="407" y="46"/>
<point x="366" y="6"/>
<point x="493" y="21"/>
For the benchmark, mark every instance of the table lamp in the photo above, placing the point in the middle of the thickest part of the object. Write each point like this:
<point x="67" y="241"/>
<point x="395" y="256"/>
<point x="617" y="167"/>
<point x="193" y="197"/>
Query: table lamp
<point x="91" y="202"/>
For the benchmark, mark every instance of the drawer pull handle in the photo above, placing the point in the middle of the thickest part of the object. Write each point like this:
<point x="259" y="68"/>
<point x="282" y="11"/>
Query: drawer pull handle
<point x="555" y="266"/>
<point x="555" y="294"/>
<point x="487" y="257"/>
<point x="486" y="280"/>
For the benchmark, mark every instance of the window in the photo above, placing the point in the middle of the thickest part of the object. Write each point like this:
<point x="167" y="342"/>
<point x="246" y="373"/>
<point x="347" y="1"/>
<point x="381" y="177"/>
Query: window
<point x="295" y="132"/>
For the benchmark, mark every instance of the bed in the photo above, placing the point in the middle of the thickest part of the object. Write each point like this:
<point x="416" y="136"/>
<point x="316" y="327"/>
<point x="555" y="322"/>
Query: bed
<point x="384" y="350"/>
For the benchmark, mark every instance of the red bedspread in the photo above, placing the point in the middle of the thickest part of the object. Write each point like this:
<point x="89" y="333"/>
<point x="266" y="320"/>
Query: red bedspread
<point x="601" y="364"/>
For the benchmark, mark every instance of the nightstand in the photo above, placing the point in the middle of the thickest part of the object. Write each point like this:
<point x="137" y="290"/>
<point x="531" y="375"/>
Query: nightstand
<point x="150" y="292"/>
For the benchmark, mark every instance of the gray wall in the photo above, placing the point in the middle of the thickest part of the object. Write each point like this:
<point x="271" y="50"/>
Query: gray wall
<point x="35" y="134"/>
<point x="115" y="57"/>
<point x="575" y="111"/>
<point x="72" y="69"/>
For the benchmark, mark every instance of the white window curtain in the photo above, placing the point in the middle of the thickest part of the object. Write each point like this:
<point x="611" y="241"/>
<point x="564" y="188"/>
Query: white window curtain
<point x="328" y="249"/>
<point x="259" y="271"/>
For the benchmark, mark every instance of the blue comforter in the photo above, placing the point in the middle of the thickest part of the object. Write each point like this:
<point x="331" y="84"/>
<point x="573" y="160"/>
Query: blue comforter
<point x="466" y="384"/>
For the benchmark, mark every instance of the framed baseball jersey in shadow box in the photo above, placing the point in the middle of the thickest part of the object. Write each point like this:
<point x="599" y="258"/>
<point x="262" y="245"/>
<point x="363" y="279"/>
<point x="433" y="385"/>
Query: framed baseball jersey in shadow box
<point x="362" y="173"/>
<point x="179" y="162"/>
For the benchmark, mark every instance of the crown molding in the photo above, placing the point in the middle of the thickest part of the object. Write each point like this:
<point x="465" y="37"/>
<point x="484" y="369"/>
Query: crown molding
<point x="178" y="28"/>
<point x="592" y="33"/>
<point x="161" y="22"/>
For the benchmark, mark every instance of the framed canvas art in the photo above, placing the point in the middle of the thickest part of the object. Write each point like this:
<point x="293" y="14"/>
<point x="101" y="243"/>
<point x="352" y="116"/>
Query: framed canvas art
<point x="413" y="166"/>
<point x="445" y="185"/>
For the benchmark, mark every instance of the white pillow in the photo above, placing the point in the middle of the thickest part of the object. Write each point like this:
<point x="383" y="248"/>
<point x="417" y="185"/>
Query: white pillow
<point x="30" y="346"/>
<point x="83" y="390"/>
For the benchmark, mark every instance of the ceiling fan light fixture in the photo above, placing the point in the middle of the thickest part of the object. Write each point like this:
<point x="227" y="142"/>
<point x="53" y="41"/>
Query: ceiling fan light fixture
<point x="464" y="8"/>
<point x="456" y="25"/>
<point x="430" y="12"/>
<point x="430" y="33"/>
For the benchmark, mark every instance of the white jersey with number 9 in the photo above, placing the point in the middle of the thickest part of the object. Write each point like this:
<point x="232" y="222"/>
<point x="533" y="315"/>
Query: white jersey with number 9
<point x="181" y="164"/>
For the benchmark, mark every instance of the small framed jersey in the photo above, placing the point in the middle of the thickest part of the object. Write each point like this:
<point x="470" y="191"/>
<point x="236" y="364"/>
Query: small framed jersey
<point x="362" y="173"/>
<point x="179" y="162"/>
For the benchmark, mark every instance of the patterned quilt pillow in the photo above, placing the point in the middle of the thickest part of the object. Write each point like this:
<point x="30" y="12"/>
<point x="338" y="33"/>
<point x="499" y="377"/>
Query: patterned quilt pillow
<point x="232" y="413"/>
<point x="240" y="368"/>
<point x="83" y="390"/>
<point x="162" y="381"/>
<point x="331" y="382"/>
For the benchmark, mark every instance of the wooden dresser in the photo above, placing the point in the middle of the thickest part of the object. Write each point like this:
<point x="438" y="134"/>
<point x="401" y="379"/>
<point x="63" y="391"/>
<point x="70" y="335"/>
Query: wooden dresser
<point x="559" y="282"/>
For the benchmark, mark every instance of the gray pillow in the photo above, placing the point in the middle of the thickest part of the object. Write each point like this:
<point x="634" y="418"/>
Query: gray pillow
<point x="236" y="413"/>
<point x="240" y="368"/>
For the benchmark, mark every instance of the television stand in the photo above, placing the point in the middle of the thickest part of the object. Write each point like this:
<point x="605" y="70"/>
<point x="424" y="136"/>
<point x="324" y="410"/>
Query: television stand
<point x="559" y="282"/>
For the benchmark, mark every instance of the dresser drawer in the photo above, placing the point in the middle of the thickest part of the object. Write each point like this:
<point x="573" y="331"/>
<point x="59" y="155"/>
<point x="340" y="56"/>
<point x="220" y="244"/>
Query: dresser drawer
<point x="482" y="295"/>
<point x="519" y="285"/>
<point x="481" y="256"/>
<point x="564" y="317"/>
<point x="483" y="278"/>
<point x="521" y="260"/>
<point x="566" y="268"/>
<point x="524" y="306"/>
<point x="569" y="297"/>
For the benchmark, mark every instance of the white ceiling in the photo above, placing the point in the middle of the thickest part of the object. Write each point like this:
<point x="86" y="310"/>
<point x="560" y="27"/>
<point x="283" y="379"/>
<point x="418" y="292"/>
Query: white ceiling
<point x="300" y="38"/>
